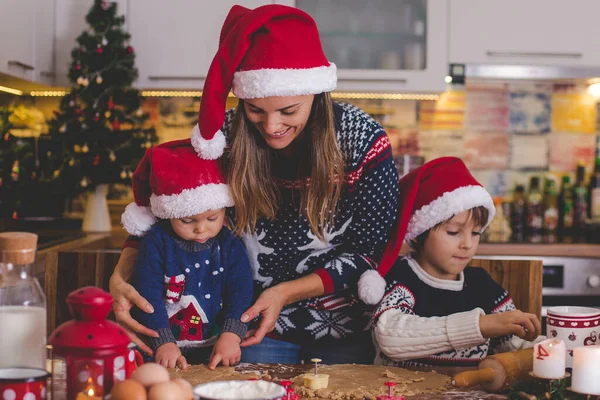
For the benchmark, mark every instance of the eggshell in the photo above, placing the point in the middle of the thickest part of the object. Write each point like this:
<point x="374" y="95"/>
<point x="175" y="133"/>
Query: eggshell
<point x="165" y="391"/>
<point x="150" y="373"/>
<point x="186" y="388"/>
<point x="128" y="390"/>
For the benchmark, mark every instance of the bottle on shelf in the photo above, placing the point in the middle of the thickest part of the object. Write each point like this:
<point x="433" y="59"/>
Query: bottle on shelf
<point x="579" y="205"/>
<point x="499" y="230"/>
<point x="534" y="211"/>
<point x="550" y="210"/>
<point x="518" y="214"/>
<point x="594" y="187"/>
<point x="565" y="211"/>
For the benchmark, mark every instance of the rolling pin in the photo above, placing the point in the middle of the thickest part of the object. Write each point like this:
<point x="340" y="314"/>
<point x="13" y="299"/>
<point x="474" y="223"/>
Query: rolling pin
<point x="498" y="372"/>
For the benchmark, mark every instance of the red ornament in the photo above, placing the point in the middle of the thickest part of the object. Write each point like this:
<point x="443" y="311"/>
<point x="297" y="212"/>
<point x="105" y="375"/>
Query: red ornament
<point x="15" y="215"/>
<point x="97" y="117"/>
<point x="78" y="111"/>
<point x="99" y="50"/>
<point x="78" y="67"/>
<point x="7" y="137"/>
<point x="110" y="104"/>
<point x="130" y="49"/>
<point x="94" y="349"/>
<point x="0" y="181"/>
<point x="97" y="159"/>
<point x="33" y="175"/>
<point x="116" y="125"/>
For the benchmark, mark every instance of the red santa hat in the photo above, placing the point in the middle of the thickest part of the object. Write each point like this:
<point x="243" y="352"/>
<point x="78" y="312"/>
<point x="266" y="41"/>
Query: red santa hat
<point x="272" y="50"/>
<point x="429" y="195"/>
<point x="171" y="181"/>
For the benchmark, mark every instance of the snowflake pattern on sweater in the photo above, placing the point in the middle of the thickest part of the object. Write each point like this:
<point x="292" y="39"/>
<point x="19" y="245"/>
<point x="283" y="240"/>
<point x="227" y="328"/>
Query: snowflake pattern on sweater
<point x="285" y="248"/>
<point x="408" y="293"/>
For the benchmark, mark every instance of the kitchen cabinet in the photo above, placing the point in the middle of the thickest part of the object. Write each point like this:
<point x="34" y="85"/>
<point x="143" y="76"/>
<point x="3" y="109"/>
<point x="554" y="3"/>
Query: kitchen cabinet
<point x="383" y="45"/>
<point x="17" y="32"/>
<point x="532" y="32"/>
<point x="44" y="42"/>
<point x="70" y="23"/>
<point x="175" y="45"/>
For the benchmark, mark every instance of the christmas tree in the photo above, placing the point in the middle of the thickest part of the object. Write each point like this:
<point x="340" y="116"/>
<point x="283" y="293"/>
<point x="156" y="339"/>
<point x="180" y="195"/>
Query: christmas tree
<point x="100" y="125"/>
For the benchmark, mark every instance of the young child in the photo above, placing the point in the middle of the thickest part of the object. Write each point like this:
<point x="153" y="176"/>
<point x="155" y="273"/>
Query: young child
<point x="190" y="267"/>
<point x="435" y="310"/>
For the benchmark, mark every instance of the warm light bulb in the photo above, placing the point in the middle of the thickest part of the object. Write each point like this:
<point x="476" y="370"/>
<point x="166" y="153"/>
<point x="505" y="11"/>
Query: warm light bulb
<point x="594" y="89"/>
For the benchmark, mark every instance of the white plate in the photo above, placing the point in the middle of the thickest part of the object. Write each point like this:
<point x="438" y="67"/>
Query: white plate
<point x="239" y="390"/>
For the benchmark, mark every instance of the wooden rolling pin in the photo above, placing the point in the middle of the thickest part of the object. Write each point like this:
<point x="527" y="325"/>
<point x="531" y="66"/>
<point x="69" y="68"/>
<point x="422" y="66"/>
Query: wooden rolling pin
<point x="498" y="372"/>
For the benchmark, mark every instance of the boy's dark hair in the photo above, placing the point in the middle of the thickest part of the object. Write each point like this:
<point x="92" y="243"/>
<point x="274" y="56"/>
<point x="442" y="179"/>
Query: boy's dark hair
<point x="478" y="214"/>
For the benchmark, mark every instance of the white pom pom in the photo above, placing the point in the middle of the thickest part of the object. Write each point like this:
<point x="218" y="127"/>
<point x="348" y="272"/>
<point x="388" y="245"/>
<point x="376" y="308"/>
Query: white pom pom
<point x="371" y="287"/>
<point x="208" y="149"/>
<point x="137" y="220"/>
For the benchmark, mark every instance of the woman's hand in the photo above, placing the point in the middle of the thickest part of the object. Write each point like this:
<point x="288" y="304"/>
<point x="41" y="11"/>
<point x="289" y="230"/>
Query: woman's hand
<point x="125" y="297"/>
<point x="268" y="305"/>
<point x="226" y="351"/>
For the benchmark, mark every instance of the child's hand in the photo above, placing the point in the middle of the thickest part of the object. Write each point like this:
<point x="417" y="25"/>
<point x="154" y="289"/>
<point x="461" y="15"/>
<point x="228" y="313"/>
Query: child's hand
<point x="226" y="351"/>
<point x="168" y="355"/>
<point x="524" y="325"/>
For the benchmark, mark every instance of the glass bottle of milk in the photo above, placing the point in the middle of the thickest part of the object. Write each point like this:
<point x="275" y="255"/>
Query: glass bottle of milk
<point x="22" y="304"/>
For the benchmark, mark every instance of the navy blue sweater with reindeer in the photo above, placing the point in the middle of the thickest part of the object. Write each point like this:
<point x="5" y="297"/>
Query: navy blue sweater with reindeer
<point x="285" y="248"/>
<point x="426" y="321"/>
<point x="195" y="288"/>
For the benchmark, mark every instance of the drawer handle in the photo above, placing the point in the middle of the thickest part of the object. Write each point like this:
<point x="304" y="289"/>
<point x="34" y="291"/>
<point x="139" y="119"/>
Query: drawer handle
<point x="15" y="63"/>
<point x="176" y="78"/>
<point x="532" y="54"/>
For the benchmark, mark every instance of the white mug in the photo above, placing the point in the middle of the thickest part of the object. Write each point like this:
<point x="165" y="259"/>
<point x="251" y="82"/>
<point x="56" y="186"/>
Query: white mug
<point x="576" y="326"/>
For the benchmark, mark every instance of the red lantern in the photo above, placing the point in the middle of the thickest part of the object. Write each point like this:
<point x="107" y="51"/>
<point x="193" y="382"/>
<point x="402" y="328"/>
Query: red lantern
<point x="94" y="349"/>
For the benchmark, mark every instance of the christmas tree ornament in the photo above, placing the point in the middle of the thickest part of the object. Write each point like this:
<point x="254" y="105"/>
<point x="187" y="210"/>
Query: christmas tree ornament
<point x="77" y="148"/>
<point x="110" y="104"/>
<point x="99" y="49"/>
<point x="72" y="162"/>
<point x="14" y="171"/>
<point x="112" y="157"/>
<point x="85" y="148"/>
<point x="99" y="80"/>
<point x="139" y="112"/>
<point x="85" y="82"/>
<point x="80" y="80"/>
<point x="129" y="174"/>
<point x="130" y="50"/>
<point x="116" y="125"/>
<point x="63" y="128"/>
<point x="84" y="182"/>
<point x="97" y="117"/>
<point x="56" y="173"/>
<point x="78" y="111"/>
<point x="104" y="42"/>
<point x="94" y="349"/>
<point x="33" y="175"/>
<point x="97" y="160"/>
<point x="84" y="126"/>
<point x="107" y="114"/>
<point x="7" y="137"/>
<point x="0" y="182"/>
<point x="148" y="145"/>
<point x="123" y="174"/>
<point x="72" y="103"/>
<point x="105" y="5"/>
<point x="49" y="153"/>
<point x="15" y="215"/>
<point x="78" y="67"/>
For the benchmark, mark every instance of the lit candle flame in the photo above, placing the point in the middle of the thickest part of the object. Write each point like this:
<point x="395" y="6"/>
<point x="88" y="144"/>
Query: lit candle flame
<point x="90" y="392"/>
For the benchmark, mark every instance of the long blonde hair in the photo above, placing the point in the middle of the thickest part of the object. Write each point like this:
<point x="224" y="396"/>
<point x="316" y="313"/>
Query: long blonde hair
<point x="254" y="190"/>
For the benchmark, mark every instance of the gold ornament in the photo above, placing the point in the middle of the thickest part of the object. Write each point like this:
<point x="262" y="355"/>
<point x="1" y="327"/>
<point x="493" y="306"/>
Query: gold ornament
<point x="148" y="145"/>
<point x="80" y="80"/>
<point x="57" y="173"/>
<point x="84" y="182"/>
<point x="63" y="128"/>
<point x="85" y="82"/>
<point x="107" y="114"/>
<point x="112" y="157"/>
<point x="49" y="153"/>
<point x="99" y="80"/>
<point x="129" y="174"/>
<point x="71" y="162"/>
<point x="85" y="148"/>
<point x="77" y="148"/>
<point x="123" y="174"/>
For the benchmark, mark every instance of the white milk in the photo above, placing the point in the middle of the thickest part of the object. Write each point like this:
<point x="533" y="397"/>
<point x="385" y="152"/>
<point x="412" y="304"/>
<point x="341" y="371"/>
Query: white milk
<point x="22" y="337"/>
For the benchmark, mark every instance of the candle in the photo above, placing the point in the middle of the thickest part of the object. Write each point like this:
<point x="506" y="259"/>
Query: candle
<point x="586" y="370"/>
<point x="88" y="394"/>
<point x="549" y="358"/>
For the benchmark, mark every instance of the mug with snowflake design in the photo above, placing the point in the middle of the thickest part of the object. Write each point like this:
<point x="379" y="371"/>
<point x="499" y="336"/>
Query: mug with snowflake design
<point x="576" y="326"/>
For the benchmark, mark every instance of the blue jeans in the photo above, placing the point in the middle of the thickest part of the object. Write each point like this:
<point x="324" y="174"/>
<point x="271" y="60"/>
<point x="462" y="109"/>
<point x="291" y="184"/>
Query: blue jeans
<point x="357" y="349"/>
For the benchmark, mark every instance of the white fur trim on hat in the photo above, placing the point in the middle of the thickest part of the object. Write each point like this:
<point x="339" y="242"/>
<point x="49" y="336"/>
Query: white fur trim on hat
<point x="256" y="84"/>
<point x="208" y="149"/>
<point x="137" y="220"/>
<point x="211" y="196"/>
<point x="447" y="205"/>
<point x="371" y="287"/>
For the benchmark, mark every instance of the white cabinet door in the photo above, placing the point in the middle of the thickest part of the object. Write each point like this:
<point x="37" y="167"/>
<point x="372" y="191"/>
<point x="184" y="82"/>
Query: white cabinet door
<point x="533" y="32"/>
<point x="44" y="41"/>
<point x="175" y="44"/>
<point x="70" y="23"/>
<point x="17" y="33"/>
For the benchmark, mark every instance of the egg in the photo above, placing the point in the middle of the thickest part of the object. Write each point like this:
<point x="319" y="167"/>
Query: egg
<point x="150" y="373"/>
<point x="165" y="391"/>
<point x="186" y="388"/>
<point x="128" y="390"/>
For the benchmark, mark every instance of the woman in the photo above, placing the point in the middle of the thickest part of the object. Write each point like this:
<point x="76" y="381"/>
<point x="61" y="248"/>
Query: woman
<point x="314" y="186"/>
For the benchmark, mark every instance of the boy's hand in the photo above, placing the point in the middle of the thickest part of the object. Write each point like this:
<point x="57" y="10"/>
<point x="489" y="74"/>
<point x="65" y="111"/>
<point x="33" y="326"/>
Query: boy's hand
<point x="168" y="355"/>
<point x="524" y="325"/>
<point x="226" y="351"/>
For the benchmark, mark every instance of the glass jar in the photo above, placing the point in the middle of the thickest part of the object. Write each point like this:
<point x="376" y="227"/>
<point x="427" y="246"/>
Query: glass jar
<point x="22" y="304"/>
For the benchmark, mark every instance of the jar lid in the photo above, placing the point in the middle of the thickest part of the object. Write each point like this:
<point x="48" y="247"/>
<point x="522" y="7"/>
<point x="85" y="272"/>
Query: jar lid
<point x="18" y="247"/>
